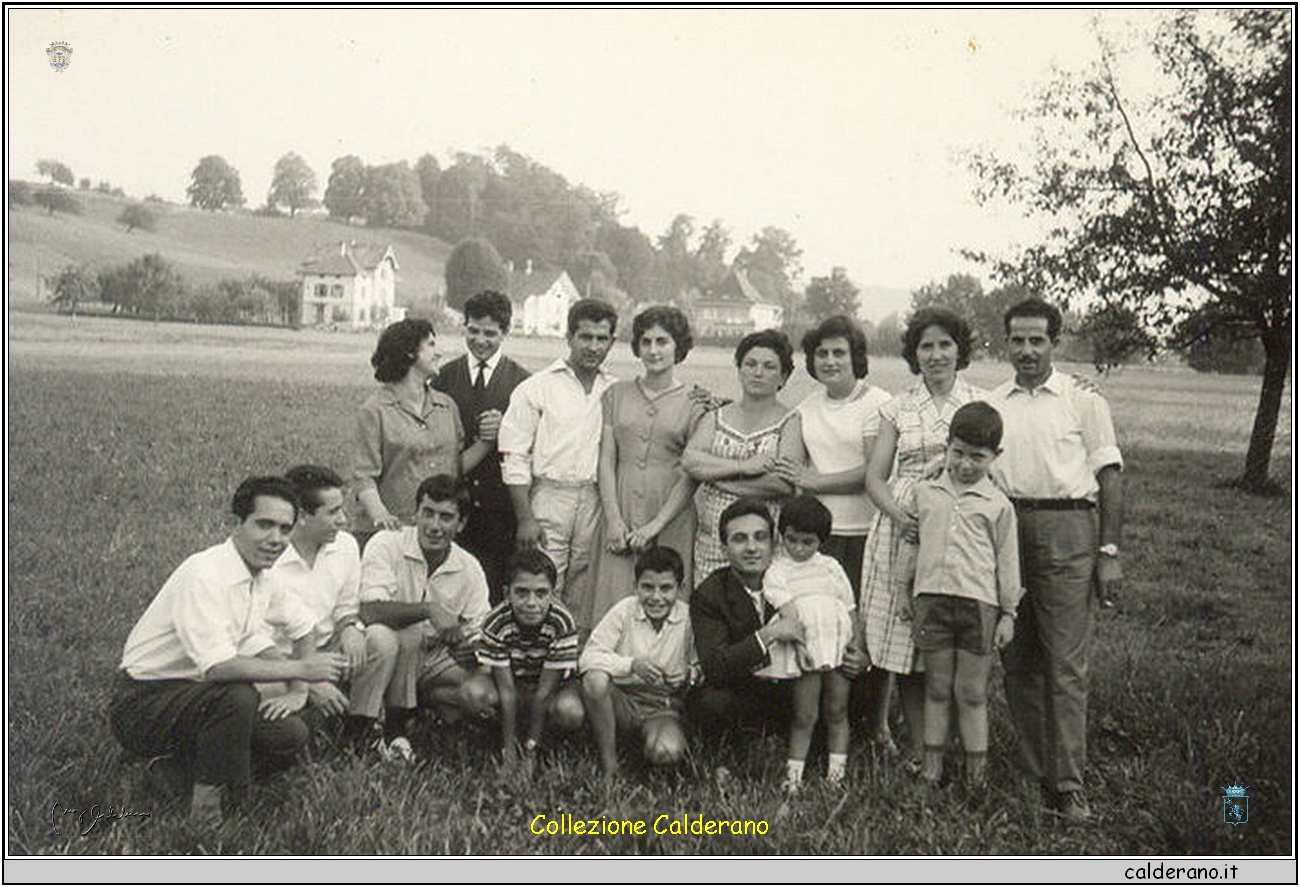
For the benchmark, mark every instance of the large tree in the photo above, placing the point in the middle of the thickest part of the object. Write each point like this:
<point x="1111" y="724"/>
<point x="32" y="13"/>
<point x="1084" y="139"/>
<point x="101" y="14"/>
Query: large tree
<point x="391" y="196"/>
<point x="828" y="296"/>
<point x="344" y="194"/>
<point x="474" y="265"/>
<point x="214" y="184"/>
<point x="293" y="184"/>
<point x="1176" y="204"/>
<point x="56" y="171"/>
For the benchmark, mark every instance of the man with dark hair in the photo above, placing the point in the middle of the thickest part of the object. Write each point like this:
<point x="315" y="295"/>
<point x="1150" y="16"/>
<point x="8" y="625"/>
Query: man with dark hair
<point x="550" y="447"/>
<point x="185" y="693"/>
<point x="1061" y="468"/>
<point x="734" y="627"/>
<point x="481" y="382"/>
<point x="423" y="598"/>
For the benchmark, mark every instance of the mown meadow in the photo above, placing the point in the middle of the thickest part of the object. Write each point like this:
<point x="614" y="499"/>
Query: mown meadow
<point x="126" y="439"/>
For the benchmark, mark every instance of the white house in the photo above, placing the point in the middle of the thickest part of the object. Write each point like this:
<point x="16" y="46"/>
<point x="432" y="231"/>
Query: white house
<point x="735" y="308"/>
<point x="542" y="300"/>
<point x="349" y="284"/>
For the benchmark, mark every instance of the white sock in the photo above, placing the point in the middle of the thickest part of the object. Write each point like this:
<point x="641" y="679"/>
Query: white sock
<point x="836" y="767"/>
<point x="793" y="771"/>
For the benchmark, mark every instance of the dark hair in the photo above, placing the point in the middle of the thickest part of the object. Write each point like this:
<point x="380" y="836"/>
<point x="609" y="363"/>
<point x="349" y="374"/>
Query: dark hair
<point x="741" y="507"/>
<point x="241" y="504"/>
<point x="659" y="559"/>
<point x="674" y="323"/>
<point x="398" y="344"/>
<point x="1035" y="308"/>
<point x="946" y="320"/>
<point x="775" y="340"/>
<point x="806" y="514"/>
<point x="444" y="488"/>
<point x="594" y="310"/>
<point x="493" y="304"/>
<point x="837" y="326"/>
<point x="309" y="480"/>
<point x="977" y="424"/>
<point x="530" y="560"/>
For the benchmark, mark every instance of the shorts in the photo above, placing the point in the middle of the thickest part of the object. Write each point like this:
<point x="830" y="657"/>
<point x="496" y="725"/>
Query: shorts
<point x="634" y="705"/>
<point x="948" y="622"/>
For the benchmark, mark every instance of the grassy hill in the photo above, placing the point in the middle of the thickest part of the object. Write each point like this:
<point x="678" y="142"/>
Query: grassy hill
<point x="204" y="246"/>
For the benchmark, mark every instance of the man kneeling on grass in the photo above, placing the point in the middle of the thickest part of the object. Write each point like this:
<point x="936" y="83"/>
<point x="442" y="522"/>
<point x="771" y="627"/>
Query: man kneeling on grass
<point x="639" y="662"/>
<point x="185" y="694"/>
<point x="423" y="597"/>
<point x="530" y="645"/>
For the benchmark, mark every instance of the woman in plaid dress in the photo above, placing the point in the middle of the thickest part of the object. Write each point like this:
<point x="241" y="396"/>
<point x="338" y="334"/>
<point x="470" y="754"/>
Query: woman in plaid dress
<point x="912" y="440"/>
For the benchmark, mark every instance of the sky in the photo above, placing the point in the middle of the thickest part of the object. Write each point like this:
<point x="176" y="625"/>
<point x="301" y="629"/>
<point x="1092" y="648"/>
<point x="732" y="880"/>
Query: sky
<point x="845" y="127"/>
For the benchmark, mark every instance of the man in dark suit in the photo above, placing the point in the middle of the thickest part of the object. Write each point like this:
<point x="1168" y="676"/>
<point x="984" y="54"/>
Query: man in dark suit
<point x="734" y="628"/>
<point x="480" y="382"/>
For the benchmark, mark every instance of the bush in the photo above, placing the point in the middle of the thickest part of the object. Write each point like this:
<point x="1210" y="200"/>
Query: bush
<point x="56" y="200"/>
<point x="20" y="193"/>
<point x="84" y="184"/>
<point x="138" y="216"/>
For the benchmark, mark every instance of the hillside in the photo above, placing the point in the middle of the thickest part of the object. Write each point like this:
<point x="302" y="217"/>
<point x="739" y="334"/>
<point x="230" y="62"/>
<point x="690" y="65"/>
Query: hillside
<point x="204" y="246"/>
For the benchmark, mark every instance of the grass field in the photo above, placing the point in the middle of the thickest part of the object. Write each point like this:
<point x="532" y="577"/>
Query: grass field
<point x="126" y="439"/>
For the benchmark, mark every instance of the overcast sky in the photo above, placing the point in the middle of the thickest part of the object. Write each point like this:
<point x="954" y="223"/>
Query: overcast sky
<point x="839" y="125"/>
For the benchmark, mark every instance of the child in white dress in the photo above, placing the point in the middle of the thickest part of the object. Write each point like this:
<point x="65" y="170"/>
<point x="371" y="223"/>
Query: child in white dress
<point x="816" y="590"/>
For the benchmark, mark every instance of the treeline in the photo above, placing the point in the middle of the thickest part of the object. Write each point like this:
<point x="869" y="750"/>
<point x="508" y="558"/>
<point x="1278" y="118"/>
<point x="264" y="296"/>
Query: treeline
<point x="150" y="287"/>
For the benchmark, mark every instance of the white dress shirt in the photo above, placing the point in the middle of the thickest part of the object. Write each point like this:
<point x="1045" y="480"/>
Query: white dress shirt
<point x="394" y="569"/>
<point x="552" y="428"/>
<point x="329" y="589"/>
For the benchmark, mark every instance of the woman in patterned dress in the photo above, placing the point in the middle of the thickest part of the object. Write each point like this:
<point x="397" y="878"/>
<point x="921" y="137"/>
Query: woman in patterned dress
<point x="735" y="449"/>
<point x="912" y="439"/>
<point x="645" y="495"/>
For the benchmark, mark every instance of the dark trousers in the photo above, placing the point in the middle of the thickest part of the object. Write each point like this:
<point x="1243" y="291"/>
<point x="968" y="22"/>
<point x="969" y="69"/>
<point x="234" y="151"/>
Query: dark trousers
<point x="214" y="728"/>
<point x="753" y="703"/>
<point x="490" y="537"/>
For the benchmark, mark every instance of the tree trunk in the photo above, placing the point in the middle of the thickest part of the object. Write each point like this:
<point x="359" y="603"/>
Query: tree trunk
<point x="1277" y="361"/>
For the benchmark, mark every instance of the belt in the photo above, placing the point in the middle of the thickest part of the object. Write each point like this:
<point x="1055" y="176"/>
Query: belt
<point x="1054" y="504"/>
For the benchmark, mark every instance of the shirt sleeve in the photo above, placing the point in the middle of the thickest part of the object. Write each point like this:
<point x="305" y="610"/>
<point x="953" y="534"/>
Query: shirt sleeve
<point x="368" y="447"/>
<point x="1098" y="431"/>
<point x="491" y="650"/>
<point x="871" y="420"/>
<point x="1007" y="543"/>
<point x="205" y="632"/>
<point x="517" y="433"/>
<point x="562" y="654"/>
<point x="601" y="652"/>
<point x="286" y="613"/>
<point x="378" y="573"/>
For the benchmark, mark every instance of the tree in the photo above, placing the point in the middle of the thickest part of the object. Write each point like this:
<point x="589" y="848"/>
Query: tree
<point x="428" y="171"/>
<point x="156" y="287"/>
<point x="214" y="184"/>
<point x="711" y="255"/>
<point x="1115" y="333"/>
<point x="137" y="216"/>
<point x="474" y="265"/>
<point x="391" y="196"/>
<point x="1176" y="205"/>
<point x="293" y="184"/>
<point x="56" y="200"/>
<point x="20" y="193"/>
<point x="772" y="262"/>
<point x="72" y="286"/>
<point x="56" y="171"/>
<point x="344" y="191"/>
<point x="84" y="185"/>
<point x="828" y="296"/>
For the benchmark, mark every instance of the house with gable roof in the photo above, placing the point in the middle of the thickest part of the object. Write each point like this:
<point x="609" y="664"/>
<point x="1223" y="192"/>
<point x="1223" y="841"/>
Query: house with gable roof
<point x="541" y="300"/>
<point x="735" y="308"/>
<point x="351" y="285"/>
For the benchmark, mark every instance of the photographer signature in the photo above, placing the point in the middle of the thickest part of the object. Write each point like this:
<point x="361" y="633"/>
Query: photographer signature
<point x="89" y="817"/>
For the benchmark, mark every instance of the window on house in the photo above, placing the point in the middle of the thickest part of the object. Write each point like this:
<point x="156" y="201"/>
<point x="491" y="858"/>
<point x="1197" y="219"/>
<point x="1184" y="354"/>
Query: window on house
<point x="321" y="290"/>
<point x="336" y="291"/>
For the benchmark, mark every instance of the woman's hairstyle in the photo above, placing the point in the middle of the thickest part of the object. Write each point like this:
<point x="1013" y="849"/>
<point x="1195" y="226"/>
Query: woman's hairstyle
<point x="399" y="343"/>
<point x="674" y="323"/>
<point x="949" y="322"/>
<point x="773" y="339"/>
<point x="837" y="327"/>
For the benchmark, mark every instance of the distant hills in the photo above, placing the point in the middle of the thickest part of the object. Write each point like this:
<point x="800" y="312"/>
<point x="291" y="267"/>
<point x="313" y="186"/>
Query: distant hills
<point x="204" y="246"/>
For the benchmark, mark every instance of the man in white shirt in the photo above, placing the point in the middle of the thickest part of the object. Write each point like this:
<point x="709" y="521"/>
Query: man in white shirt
<point x="423" y="598"/>
<point x="186" y="685"/>
<point x="1060" y="466"/>
<point x="550" y="446"/>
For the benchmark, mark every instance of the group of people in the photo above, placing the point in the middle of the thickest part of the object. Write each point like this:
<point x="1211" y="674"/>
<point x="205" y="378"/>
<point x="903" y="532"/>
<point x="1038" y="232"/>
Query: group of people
<point x="563" y="548"/>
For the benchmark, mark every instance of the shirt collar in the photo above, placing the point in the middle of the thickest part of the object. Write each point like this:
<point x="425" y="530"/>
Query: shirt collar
<point x="562" y="366"/>
<point x="491" y="363"/>
<point x="984" y="488"/>
<point x="1054" y="384"/>
<point x="230" y="567"/>
<point x="293" y="556"/>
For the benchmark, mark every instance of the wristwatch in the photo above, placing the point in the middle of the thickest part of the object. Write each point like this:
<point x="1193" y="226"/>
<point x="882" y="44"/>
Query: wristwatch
<point x="530" y="744"/>
<point x="1110" y="549"/>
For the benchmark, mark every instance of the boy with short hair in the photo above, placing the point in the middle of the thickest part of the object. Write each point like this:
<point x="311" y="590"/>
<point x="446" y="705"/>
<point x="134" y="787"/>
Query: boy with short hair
<point x="639" y="662"/>
<point x="529" y="643"/>
<point x="967" y="587"/>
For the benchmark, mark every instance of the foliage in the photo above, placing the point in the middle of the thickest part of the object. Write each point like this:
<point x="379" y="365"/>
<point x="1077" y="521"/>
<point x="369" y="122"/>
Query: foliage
<point x="56" y="171"/>
<point x="1115" y="333"/>
<point x="343" y="192"/>
<point x="474" y="265"/>
<point x="72" y="286"/>
<point x="772" y="263"/>
<point x="138" y="216"/>
<point x="1175" y="205"/>
<point x="293" y="184"/>
<point x="1212" y="349"/>
<point x="828" y="296"/>
<point x="57" y="200"/>
<point x="391" y="196"/>
<point x="428" y="170"/>
<point x="83" y="184"/>
<point x="964" y="294"/>
<point x="214" y="184"/>
<point x="149" y="286"/>
<point x="20" y="193"/>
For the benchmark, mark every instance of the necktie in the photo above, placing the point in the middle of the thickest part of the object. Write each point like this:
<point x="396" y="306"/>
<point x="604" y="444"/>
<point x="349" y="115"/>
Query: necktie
<point x="480" y="381"/>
